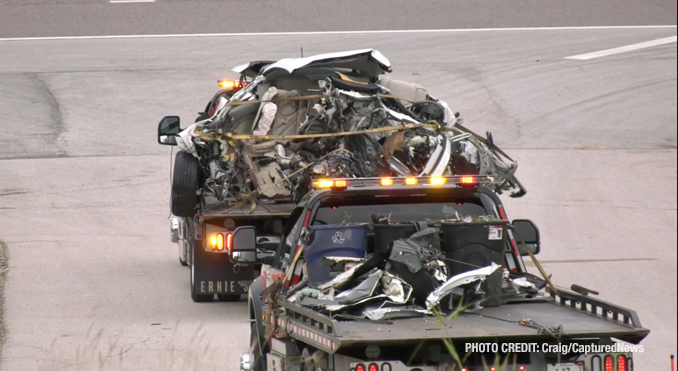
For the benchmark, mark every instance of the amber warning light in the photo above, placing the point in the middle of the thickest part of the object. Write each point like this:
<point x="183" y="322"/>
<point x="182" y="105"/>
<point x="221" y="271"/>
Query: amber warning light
<point x="468" y="180"/>
<point x="435" y="181"/>
<point x="232" y="84"/>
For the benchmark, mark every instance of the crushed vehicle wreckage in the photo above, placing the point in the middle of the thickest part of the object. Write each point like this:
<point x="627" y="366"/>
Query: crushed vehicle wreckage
<point x="289" y="123"/>
<point x="412" y="277"/>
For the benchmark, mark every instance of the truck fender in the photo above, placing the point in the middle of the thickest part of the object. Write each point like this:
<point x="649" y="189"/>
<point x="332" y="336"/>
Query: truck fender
<point x="255" y="305"/>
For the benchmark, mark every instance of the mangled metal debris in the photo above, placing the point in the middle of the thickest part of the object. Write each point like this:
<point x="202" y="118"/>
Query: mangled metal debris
<point x="456" y="282"/>
<point x="364" y="290"/>
<point x="395" y="313"/>
<point x="333" y="115"/>
<point x="409" y="278"/>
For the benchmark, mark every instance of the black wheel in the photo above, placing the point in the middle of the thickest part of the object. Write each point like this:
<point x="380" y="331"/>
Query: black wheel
<point x="197" y="298"/>
<point x="185" y="185"/>
<point x="230" y="298"/>
<point x="259" y="360"/>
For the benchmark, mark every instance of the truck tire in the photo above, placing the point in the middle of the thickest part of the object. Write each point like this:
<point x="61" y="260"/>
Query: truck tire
<point x="197" y="298"/>
<point x="259" y="362"/>
<point x="185" y="185"/>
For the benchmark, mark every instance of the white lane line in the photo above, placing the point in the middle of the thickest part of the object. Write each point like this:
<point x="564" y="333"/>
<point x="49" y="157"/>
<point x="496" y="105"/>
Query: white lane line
<point x="130" y="1"/>
<point x="624" y="49"/>
<point x="312" y="33"/>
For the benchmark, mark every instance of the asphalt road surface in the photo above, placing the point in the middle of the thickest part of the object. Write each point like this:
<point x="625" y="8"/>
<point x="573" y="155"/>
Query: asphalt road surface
<point x="93" y="281"/>
<point x="26" y="18"/>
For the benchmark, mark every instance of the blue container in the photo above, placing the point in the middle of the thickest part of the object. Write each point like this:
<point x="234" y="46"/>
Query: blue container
<point x="331" y="240"/>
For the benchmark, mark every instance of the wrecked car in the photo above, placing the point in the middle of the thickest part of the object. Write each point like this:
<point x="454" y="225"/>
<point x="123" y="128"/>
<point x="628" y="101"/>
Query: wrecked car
<point x="285" y="124"/>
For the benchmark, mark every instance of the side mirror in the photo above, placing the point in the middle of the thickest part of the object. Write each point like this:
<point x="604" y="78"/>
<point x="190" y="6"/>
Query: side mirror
<point x="244" y="245"/>
<point x="168" y="128"/>
<point x="528" y="232"/>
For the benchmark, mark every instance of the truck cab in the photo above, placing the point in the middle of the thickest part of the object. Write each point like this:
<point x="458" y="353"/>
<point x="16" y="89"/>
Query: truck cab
<point x="285" y="334"/>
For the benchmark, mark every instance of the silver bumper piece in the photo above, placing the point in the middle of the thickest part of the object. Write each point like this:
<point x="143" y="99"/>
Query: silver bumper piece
<point x="175" y="225"/>
<point x="246" y="363"/>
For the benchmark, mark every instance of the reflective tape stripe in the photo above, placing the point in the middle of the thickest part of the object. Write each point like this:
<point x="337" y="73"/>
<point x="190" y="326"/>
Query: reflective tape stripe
<point x="308" y="334"/>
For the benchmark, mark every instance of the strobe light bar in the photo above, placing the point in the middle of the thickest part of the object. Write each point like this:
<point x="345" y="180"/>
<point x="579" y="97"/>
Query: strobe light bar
<point x="413" y="182"/>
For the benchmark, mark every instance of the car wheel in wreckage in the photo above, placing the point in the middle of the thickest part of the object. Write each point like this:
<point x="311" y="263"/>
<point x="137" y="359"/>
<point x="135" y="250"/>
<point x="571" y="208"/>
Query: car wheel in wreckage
<point x="185" y="183"/>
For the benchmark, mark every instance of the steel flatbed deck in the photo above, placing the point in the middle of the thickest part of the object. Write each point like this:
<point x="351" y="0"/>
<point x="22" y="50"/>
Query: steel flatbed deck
<point x="581" y="317"/>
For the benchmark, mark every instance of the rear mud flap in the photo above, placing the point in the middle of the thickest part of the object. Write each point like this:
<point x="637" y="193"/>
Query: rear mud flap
<point x="216" y="274"/>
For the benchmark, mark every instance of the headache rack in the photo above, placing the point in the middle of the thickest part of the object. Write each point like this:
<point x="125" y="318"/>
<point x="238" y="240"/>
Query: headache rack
<point x="598" y="308"/>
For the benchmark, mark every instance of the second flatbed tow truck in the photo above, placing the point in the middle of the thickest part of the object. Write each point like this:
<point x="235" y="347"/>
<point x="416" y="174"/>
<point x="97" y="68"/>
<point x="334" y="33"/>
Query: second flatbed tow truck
<point x="563" y="330"/>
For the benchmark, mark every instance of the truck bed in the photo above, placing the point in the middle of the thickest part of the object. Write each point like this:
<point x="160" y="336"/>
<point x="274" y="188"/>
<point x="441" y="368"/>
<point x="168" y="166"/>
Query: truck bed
<point x="222" y="209"/>
<point x="580" y="316"/>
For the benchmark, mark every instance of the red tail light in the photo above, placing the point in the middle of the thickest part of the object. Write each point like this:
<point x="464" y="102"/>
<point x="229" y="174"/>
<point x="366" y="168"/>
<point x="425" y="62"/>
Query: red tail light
<point x="621" y="363"/>
<point x="360" y="367"/>
<point x="229" y="241"/>
<point x="609" y="363"/>
<point x="373" y="367"/>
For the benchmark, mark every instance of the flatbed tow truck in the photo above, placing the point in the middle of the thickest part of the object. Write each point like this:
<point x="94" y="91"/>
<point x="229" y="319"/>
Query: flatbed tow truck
<point x="205" y="240"/>
<point x="561" y="330"/>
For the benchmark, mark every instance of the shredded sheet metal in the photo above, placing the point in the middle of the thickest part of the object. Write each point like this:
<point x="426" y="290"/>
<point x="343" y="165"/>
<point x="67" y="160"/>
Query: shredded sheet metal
<point x="340" y="279"/>
<point x="363" y="290"/>
<point x="373" y="61"/>
<point x="310" y="293"/>
<point x="459" y="280"/>
<point x="522" y="284"/>
<point x="395" y="313"/>
<point x="397" y="290"/>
